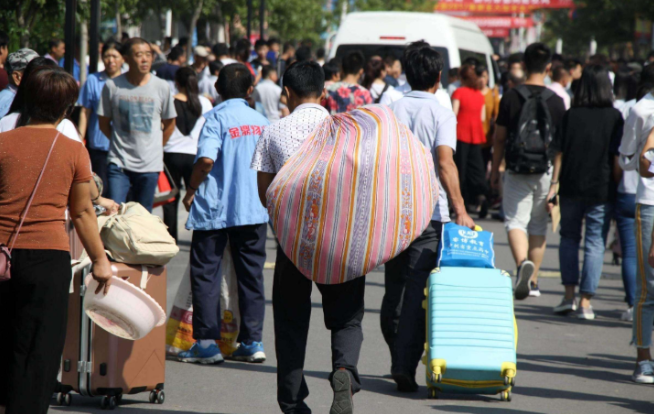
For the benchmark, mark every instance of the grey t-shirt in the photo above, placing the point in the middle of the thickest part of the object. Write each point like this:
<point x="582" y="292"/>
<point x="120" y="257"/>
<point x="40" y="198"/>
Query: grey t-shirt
<point x="136" y="113"/>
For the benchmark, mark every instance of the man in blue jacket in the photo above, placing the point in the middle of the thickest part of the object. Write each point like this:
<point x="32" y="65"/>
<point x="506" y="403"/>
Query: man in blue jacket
<point x="224" y="206"/>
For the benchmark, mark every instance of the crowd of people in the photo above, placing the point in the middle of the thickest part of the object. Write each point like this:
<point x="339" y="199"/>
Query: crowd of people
<point x="223" y="124"/>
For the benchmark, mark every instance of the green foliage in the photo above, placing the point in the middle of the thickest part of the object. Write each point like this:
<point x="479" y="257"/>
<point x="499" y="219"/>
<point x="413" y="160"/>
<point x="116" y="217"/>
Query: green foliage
<point x="610" y="22"/>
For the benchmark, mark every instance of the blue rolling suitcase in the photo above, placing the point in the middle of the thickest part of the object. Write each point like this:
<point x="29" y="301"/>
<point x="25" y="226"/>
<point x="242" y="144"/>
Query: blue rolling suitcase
<point x="471" y="332"/>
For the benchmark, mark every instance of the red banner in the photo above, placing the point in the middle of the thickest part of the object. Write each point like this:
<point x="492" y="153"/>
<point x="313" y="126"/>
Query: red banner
<point x="502" y="6"/>
<point x="498" y="22"/>
<point x="496" y="32"/>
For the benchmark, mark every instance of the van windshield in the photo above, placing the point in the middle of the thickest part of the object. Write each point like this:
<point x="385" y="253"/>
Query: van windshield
<point x="385" y="50"/>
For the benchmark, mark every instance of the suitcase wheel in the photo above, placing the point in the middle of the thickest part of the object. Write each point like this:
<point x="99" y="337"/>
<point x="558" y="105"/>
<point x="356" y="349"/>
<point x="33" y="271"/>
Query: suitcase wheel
<point x="438" y="378"/>
<point x="108" y="402"/>
<point x="509" y="381"/>
<point x="432" y="393"/>
<point x="506" y="395"/>
<point x="64" y="399"/>
<point x="157" y="396"/>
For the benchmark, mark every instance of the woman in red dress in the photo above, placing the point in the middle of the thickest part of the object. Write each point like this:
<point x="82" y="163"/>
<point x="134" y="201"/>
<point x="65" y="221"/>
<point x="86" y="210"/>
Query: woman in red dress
<point x="468" y="104"/>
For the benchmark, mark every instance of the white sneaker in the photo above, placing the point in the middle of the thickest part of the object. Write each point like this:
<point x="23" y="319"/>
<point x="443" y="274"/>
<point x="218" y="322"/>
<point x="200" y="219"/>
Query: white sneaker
<point x="644" y="374"/>
<point x="566" y="306"/>
<point x="628" y="315"/>
<point x="534" y="292"/>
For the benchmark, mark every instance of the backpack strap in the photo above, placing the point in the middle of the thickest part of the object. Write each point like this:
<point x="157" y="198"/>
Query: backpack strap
<point x="547" y="94"/>
<point x="523" y="91"/>
<point x="386" y="86"/>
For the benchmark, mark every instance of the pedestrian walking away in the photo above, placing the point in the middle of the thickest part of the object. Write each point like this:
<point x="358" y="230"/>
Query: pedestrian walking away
<point x="402" y="315"/>
<point x="343" y="304"/>
<point x="222" y="201"/>
<point x="587" y="140"/>
<point x="528" y="118"/>
<point x="133" y="108"/>
<point x="181" y="148"/>
<point x="637" y="142"/>
<point x="469" y="105"/>
<point x="347" y="94"/>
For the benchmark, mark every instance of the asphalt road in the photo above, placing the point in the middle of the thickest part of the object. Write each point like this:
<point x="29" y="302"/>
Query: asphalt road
<point x="564" y="365"/>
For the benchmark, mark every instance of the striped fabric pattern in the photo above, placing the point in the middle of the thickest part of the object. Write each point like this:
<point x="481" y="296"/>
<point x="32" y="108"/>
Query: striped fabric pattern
<point x="355" y="195"/>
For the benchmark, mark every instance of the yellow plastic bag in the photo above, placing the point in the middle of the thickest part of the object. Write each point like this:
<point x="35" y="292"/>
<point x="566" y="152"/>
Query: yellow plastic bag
<point x="179" y="330"/>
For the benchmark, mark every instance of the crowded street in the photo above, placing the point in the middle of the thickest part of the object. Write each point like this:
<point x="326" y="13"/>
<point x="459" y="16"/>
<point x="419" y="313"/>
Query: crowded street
<point x="565" y="365"/>
<point x="334" y="206"/>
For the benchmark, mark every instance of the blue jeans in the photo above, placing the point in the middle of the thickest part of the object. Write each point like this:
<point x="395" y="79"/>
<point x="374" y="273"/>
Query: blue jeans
<point x="644" y="307"/>
<point x="625" y="216"/>
<point x="598" y="219"/>
<point x="139" y="186"/>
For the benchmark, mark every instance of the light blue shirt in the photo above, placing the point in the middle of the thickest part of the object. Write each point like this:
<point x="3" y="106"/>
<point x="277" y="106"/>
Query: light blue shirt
<point x="7" y="96"/>
<point x="435" y="126"/>
<point x="229" y="197"/>
<point x="89" y="97"/>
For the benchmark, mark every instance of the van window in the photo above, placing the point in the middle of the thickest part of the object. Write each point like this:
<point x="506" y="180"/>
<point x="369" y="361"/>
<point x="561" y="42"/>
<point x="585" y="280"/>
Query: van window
<point x="385" y="50"/>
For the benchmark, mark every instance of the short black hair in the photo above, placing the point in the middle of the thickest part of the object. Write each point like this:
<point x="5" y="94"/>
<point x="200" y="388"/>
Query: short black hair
<point x="330" y="69"/>
<point x="389" y="60"/>
<point x="558" y="71"/>
<point x="303" y="54"/>
<point x="537" y="57"/>
<point x="572" y="63"/>
<point x="353" y="63"/>
<point x="266" y="70"/>
<point x="272" y="41"/>
<point x="259" y="44"/>
<point x="471" y="61"/>
<point x="305" y="79"/>
<point x="54" y="43"/>
<point x="220" y="49"/>
<point x="515" y="58"/>
<point x="242" y="52"/>
<point x="423" y="69"/>
<point x="215" y="66"/>
<point x="234" y="81"/>
<point x="288" y="46"/>
<point x="4" y="39"/>
<point x="111" y="44"/>
<point x="320" y="53"/>
<point x="453" y="73"/>
<point x="127" y="46"/>
<point x="594" y="89"/>
<point x="176" y="52"/>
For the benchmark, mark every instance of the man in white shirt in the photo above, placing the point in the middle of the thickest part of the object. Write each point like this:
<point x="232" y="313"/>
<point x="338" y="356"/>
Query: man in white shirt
<point x="342" y="303"/>
<point x="268" y="93"/>
<point x="396" y="94"/>
<point x="560" y="80"/>
<point x="637" y="140"/>
<point x="402" y="316"/>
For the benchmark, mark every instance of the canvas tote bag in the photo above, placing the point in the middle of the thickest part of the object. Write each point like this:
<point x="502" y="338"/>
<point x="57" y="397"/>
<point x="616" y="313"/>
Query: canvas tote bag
<point x="355" y="195"/>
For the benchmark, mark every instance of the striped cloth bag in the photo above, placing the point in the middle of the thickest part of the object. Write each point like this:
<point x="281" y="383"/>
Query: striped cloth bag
<point x="356" y="194"/>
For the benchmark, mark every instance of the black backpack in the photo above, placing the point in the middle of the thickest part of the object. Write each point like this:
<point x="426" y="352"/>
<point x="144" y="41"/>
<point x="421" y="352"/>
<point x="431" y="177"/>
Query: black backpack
<point x="527" y="147"/>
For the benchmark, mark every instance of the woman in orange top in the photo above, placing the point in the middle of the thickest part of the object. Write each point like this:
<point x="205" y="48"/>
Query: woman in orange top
<point x="469" y="106"/>
<point x="33" y="303"/>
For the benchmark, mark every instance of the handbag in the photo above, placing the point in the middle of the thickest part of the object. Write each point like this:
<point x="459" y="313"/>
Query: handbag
<point x="5" y="251"/>
<point x="135" y="236"/>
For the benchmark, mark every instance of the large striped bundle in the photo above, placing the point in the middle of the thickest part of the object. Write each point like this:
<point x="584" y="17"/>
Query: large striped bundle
<point x="356" y="194"/>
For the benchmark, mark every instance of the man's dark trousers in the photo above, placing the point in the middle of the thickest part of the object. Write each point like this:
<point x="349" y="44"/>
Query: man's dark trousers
<point x="402" y="316"/>
<point x="343" y="311"/>
<point x="248" y="248"/>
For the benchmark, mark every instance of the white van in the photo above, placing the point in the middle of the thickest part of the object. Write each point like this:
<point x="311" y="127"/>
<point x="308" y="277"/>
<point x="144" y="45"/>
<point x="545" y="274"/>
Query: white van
<point x="384" y="33"/>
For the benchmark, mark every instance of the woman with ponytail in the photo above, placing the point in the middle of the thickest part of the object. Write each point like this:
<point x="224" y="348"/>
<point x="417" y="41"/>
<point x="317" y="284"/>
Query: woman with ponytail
<point x="179" y="152"/>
